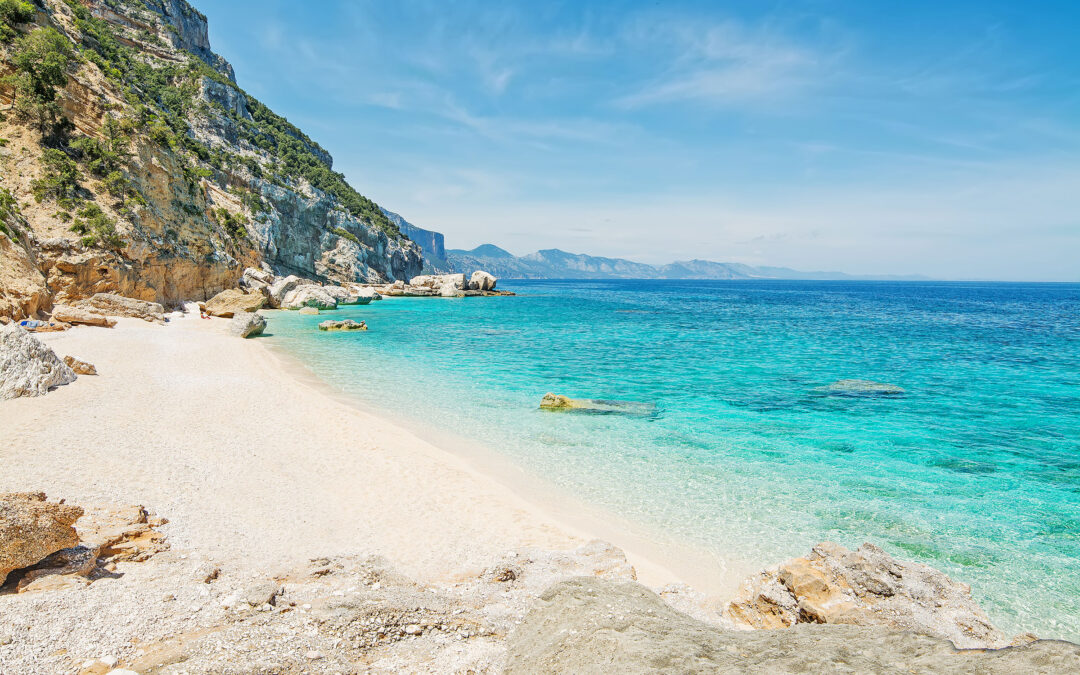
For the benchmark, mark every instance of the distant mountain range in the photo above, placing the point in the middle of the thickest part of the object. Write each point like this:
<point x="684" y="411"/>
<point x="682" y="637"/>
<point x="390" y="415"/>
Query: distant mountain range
<point x="555" y="264"/>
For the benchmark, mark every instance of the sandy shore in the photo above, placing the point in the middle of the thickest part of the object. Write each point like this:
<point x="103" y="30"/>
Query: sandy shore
<point x="258" y="468"/>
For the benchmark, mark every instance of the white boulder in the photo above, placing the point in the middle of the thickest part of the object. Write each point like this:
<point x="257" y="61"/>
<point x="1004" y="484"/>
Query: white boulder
<point x="27" y="366"/>
<point x="247" y="324"/>
<point x="280" y="288"/>
<point x="308" y="296"/>
<point x="482" y="281"/>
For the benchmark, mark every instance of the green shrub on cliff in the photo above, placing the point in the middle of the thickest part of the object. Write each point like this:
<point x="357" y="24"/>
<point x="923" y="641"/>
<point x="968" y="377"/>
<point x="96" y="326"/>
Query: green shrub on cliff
<point x="41" y="61"/>
<point x="97" y="228"/>
<point x="13" y="13"/>
<point x="59" y="179"/>
<point x="9" y="209"/>
<point x="342" y="232"/>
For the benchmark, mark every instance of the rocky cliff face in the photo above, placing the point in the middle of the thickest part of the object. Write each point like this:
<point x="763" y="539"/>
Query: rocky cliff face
<point x="145" y="170"/>
<point x="431" y="243"/>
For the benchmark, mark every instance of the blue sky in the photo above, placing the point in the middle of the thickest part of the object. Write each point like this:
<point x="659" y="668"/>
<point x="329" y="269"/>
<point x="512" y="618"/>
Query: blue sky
<point x="940" y="138"/>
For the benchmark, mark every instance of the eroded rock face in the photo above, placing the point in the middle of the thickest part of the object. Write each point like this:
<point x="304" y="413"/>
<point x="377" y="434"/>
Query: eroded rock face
<point x="23" y="292"/>
<point x="117" y="305"/>
<point x="31" y="528"/>
<point x="865" y="587"/>
<point x="78" y="315"/>
<point x="28" y="367"/>
<point x="234" y="301"/>
<point x="592" y="626"/>
<point x="247" y="324"/>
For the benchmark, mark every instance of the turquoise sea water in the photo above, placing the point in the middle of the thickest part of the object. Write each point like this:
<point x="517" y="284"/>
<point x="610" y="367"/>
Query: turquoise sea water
<point x="976" y="470"/>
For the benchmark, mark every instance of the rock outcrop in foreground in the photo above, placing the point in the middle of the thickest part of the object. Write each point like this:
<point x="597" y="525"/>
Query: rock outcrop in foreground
<point x="32" y="528"/>
<point x="28" y="367"/>
<point x="867" y="587"/>
<point x="586" y="626"/>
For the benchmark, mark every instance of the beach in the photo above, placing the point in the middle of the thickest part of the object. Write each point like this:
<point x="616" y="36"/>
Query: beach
<point x="255" y="467"/>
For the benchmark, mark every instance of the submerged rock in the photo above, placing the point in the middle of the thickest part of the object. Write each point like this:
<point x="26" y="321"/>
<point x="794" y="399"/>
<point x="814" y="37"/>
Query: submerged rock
<point x="560" y="403"/>
<point x="32" y="528"/>
<point x="590" y="626"/>
<point x="860" y="388"/>
<point x="308" y="310"/>
<point x="247" y="324"/>
<point x="347" y="324"/>
<point x="231" y="302"/>
<point x="117" y="305"/>
<point x="865" y="587"/>
<point x="27" y="366"/>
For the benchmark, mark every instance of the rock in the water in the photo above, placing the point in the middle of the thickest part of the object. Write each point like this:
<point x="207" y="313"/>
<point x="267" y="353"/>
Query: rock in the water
<point x="32" y="528"/>
<point x="366" y="294"/>
<point x="347" y="324"/>
<point x="78" y="315"/>
<point x="27" y="366"/>
<point x="308" y="296"/>
<point x="864" y="587"/>
<point x="280" y="288"/>
<point x="308" y="310"/>
<point x="343" y="296"/>
<point x="110" y="304"/>
<point x="560" y="403"/>
<point x="587" y="626"/>
<point x="247" y="324"/>
<point x="80" y="367"/>
<point x="482" y="281"/>
<point x="860" y="388"/>
<point x="231" y="302"/>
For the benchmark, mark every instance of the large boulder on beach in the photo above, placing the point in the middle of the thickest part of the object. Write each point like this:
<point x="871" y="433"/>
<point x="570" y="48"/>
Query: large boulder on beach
<point x="590" y="626"/>
<point x="233" y="301"/>
<point x="860" y="388"/>
<point x="110" y="304"/>
<point x="32" y="528"/>
<point x="865" y="587"/>
<point x="247" y="324"/>
<point x="308" y="296"/>
<point x="482" y="281"/>
<point x="280" y="288"/>
<point x="27" y="366"/>
<point x="79" y="315"/>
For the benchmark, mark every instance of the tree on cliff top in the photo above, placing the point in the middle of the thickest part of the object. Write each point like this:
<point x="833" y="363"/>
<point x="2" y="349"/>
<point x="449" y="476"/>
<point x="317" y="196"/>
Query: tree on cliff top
<point x="13" y="13"/>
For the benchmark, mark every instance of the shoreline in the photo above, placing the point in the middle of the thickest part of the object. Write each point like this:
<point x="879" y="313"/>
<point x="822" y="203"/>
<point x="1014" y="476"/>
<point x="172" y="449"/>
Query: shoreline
<point x="172" y="399"/>
<point x="658" y="560"/>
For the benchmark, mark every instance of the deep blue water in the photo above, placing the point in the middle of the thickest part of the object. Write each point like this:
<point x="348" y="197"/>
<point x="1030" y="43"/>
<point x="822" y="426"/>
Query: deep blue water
<point x="976" y="470"/>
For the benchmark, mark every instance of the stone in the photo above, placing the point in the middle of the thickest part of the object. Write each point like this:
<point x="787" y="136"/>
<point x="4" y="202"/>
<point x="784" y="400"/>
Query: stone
<point x="229" y="303"/>
<point x="34" y="326"/>
<point x="344" y="296"/>
<point x="347" y="324"/>
<point x="117" y="305"/>
<point x="560" y="403"/>
<point x="280" y="288"/>
<point x="860" y="388"/>
<point x="247" y="324"/>
<point x="445" y="285"/>
<point x="593" y="626"/>
<point x="308" y="310"/>
<point x="482" y="281"/>
<point x="27" y="366"/>
<point x="262" y="593"/>
<point x="308" y="296"/>
<point x="366" y="293"/>
<point x="78" y="315"/>
<point x="863" y="587"/>
<point x="255" y="279"/>
<point x="80" y="367"/>
<point x="32" y="528"/>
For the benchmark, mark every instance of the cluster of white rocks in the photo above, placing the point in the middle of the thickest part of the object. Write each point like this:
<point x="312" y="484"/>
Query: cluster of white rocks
<point x="445" y="285"/>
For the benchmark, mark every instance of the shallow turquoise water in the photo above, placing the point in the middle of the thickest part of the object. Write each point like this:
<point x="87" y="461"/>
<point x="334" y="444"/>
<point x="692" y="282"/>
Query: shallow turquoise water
<point x="975" y="471"/>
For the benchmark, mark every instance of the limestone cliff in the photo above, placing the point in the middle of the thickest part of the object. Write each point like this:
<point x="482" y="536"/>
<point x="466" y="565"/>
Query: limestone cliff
<point x="131" y="162"/>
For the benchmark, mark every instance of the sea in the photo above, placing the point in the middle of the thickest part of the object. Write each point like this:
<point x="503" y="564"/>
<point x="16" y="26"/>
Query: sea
<point x="974" y="469"/>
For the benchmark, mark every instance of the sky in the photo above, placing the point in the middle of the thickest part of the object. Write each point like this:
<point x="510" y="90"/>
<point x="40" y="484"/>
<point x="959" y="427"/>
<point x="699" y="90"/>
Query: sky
<point x="934" y="138"/>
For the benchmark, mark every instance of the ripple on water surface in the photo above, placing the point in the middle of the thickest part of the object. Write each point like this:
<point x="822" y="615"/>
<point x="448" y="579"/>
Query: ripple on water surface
<point x="975" y="470"/>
